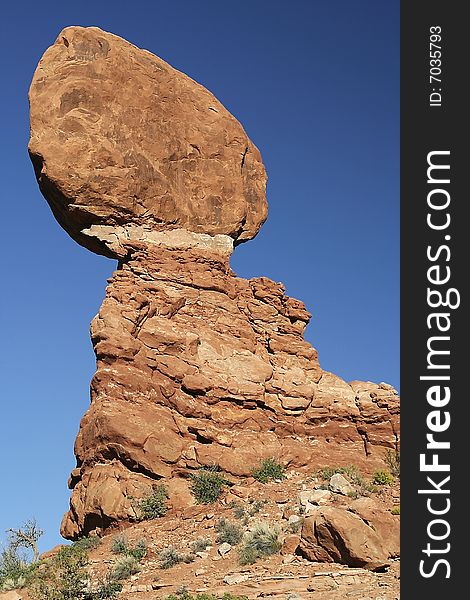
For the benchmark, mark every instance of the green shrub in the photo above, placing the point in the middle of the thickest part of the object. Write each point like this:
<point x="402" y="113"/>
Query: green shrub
<point x="295" y="526"/>
<point x="120" y="545"/>
<point x="63" y="577"/>
<point x="269" y="469"/>
<point x="228" y="532"/>
<point x="207" y="485"/>
<point x="200" y="544"/>
<point x="86" y="543"/>
<point x="106" y="588"/>
<point x="263" y="540"/>
<point x="124" y="567"/>
<point x="395" y="510"/>
<point x="239" y="511"/>
<point x="153" y="505"/>
<point x="383" y="477"/>
<point x="392" y="458"/>
<point x="169" y="557"/>
<point x="14" y="570"/>
<point x="255" y="506"/>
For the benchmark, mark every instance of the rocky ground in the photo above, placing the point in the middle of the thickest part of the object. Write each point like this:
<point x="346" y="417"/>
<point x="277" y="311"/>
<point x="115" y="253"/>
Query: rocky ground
<point x="289" y="574"/>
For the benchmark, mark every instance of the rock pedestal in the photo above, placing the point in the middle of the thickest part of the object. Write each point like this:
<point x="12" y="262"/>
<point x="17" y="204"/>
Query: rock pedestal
<point x="195" y="366"/>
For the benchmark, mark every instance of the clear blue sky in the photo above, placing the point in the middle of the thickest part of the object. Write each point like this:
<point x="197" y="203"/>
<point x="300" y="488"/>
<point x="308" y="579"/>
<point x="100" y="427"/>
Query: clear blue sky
<point x="316" y="86"/>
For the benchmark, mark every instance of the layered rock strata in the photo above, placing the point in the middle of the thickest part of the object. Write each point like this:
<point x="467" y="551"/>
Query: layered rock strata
<point x="195" y="366"/>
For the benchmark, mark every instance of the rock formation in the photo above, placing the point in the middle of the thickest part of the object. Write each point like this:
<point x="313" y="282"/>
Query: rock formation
<point x="195" y="366"/>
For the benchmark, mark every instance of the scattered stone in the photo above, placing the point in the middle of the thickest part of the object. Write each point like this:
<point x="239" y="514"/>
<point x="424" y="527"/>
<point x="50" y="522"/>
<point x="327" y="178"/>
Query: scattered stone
<point x="288" y="559"/>
<point x="340" y="485"/>
<point x="294" y="519"/>
<point x="320" y="497"/>
<point x="235" y="579"/>
<point x="290" y="544"/>
<point x="13" y="595"/>
<point x="337" y="535"/>
<point x="224" y="548"/>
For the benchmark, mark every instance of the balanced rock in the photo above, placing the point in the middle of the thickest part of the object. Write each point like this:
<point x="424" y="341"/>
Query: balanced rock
<point x="195" y="366"/>
<point x="124" y="146"/>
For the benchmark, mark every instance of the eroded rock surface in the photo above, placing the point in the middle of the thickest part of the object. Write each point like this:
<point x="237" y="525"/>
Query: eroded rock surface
<point x="123" y="145"/>
<point x="195" y="366"/>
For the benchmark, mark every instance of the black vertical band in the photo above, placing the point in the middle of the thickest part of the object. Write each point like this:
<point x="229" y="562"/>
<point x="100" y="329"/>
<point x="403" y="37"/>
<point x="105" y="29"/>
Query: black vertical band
<point x="434" y="273"/>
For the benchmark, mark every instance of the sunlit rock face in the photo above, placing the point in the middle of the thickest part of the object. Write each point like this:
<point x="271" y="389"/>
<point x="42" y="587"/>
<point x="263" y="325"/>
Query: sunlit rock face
<point x="195" y="366"/>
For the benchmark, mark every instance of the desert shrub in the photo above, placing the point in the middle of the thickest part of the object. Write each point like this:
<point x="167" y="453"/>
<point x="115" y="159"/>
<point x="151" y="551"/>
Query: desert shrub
<point x="383" y="477"/>
<point x="263" y="540"/>
<point x="255" y="506"/>
<point x="105" y="588"/>
<point x="207" y="485"/>
<point x="268" y="470"/>
<point x="395" y="510"/>
<point x="120" y="545"/>
<point x="63" y="577"/>
<point x="238" y="511"/>
<point x="228" y="532"/>
<point x="392" y="458"/>
<point x="124" y="567"/>
<point x="15" y="570"/>
<point x="139" y="551"/>
<point x="86" y="543"/>
<point x="200" y="544"/>
<point x="169" y="557"/>
<point x="153" y="505"/>
<point x="26" y="537"/>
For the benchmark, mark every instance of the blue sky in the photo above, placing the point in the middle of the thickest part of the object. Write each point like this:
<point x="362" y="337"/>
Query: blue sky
<point x="316" y="86"/>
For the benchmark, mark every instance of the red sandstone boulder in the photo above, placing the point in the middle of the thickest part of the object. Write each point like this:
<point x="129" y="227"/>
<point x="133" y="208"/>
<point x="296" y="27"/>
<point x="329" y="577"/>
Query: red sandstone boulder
<point x="336" y="535"/>
<point x="124" y="145"/>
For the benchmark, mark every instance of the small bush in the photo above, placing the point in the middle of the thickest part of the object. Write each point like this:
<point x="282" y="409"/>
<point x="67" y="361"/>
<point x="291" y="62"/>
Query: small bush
<point x="85" y="544"/>
<point x="169" y="557"/>
<point x="269" y="469"/>
<point x="228" y="532"/>
<point x="256" y="506"/>
<point x="153" y="505"/>
<point x="207" y="485"/>
<point x="262" y="541"/>
<point x="14" y="570"/>
<point x="106" y="588"/>
<point x="239" y="511"/>
<point x="139" y="551"/>
<point x="395" y="510"/>
<point x="62" y="577"/>
<point x="200" y="544"/>
<point x="383" y="477"/>
<point x="120" y="545"/>
<point x="124" y="567"/>
<point x="392" y="458"/>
